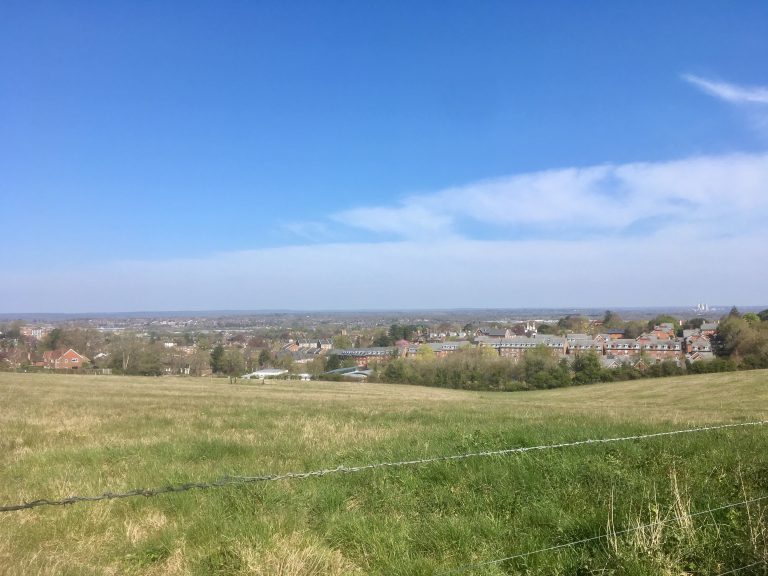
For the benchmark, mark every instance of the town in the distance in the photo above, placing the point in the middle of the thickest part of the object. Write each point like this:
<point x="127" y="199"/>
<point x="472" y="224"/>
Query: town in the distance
<point x="480" y="349"/>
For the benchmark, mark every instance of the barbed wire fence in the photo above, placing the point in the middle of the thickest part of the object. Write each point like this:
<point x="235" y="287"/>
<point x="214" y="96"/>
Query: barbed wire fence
<point x="466" y="568"/>
<point x="474" y="566"/>
<point x="342" y="469"/>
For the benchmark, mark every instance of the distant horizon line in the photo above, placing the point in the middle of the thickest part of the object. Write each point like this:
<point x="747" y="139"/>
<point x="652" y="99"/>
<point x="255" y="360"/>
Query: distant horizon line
<point x="240" y="312"/>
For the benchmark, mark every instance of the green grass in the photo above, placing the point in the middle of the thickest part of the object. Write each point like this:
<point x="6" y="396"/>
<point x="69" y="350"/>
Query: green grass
<point x="65" y="435"/>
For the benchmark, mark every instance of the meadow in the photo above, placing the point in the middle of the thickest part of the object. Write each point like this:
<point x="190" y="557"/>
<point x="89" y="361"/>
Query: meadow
<point x="62" y="435"/>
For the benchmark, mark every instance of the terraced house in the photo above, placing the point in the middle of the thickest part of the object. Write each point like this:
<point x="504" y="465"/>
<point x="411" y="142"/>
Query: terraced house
<point x="622" y="347"/>
<point x="517" y="346"/>
<point x="579" y="343"/>
<point x="659" y="349"/>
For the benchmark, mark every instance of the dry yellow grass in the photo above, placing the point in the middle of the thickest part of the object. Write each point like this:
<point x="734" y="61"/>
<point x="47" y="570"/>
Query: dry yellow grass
<point x="294" y="555"/>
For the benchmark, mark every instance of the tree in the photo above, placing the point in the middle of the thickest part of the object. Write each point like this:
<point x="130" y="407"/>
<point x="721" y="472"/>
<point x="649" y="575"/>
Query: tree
<point x="573" y="323"/>
<point x="662" y="319"/>
<point x="399" y="332"/>
<point x="217" y="359"/>
<point x="233" y="364"/>
<point x="425" y="352"/>
<point x="199" y="362"/>
<point x="284" y="361"/>
<point x="751" y="317"/>
<point x="342" y="342"/>
<point x="316" y="366"/>
<point x="53" y="339"/>
<point x="634" y="328"/>
<point x="612" y="321"/>
<point x="130" y="354"/>
<point x="149" y="360"/>
<point x="395" y="371"/>
<point x="124" y="350"/>
<point x="743" y="341"/>
<point x="12" y="330"/>
<point x="382" y="339"/>
<point x="587" y="368"/>
<point x="333" y="363"/>
<point x="538" y="365"/>
<point x="730" y="331"/>
<point x="693" y="323"/>
<point x="265" y="358"/>
<point x="203" y="341"/>
<point x="396" y="332"/>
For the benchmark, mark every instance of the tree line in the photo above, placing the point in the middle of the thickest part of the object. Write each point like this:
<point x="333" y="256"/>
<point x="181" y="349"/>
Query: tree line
<point x="741" y="342"/>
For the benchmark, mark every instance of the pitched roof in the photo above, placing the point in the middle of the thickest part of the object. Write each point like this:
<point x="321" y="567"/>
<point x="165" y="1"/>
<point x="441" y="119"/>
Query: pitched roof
<point x="493" y="332"/>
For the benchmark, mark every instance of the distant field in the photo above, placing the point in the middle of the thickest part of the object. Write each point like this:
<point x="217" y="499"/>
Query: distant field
<point x="65" y="435"/>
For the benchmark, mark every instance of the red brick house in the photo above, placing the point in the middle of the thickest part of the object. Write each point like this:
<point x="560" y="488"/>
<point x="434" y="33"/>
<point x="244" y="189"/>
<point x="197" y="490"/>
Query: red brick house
<point x="64" y="360"/>
<point x="708" y="329"/>
<point x="661" y="349"/>
<point x="517" y="346"/>
<point x="697" y="344"/>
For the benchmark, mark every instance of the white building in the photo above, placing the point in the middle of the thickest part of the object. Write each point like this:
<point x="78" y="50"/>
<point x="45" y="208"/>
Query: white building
<point x="265" y="373"/>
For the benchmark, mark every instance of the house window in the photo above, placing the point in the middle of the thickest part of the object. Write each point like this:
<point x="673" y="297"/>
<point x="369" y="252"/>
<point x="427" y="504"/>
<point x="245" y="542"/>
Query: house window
<point x="73" y="360"/>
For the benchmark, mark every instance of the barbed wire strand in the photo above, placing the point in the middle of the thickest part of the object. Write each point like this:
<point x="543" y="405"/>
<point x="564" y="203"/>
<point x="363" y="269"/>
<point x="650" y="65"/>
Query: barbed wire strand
<point x="475" y="566"/>
<point x="742" y="568"/>
<point x="342" y="469"/>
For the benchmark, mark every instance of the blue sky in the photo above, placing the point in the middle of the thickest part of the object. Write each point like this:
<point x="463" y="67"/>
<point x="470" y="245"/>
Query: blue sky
<point x="253" y="155"/>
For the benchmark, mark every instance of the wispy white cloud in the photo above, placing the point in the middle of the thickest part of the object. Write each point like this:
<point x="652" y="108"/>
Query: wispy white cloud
<point x="730" y="92"/>
<point x="711" y="212"/>
<point x="314" y="231"/>
<point x="412" y="219"/>
<point x="718" y="193"/>
<point x="610" y="235"/>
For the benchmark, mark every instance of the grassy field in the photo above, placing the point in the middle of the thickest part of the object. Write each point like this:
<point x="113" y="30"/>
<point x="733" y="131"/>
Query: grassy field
<point x="65" y="435"/>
